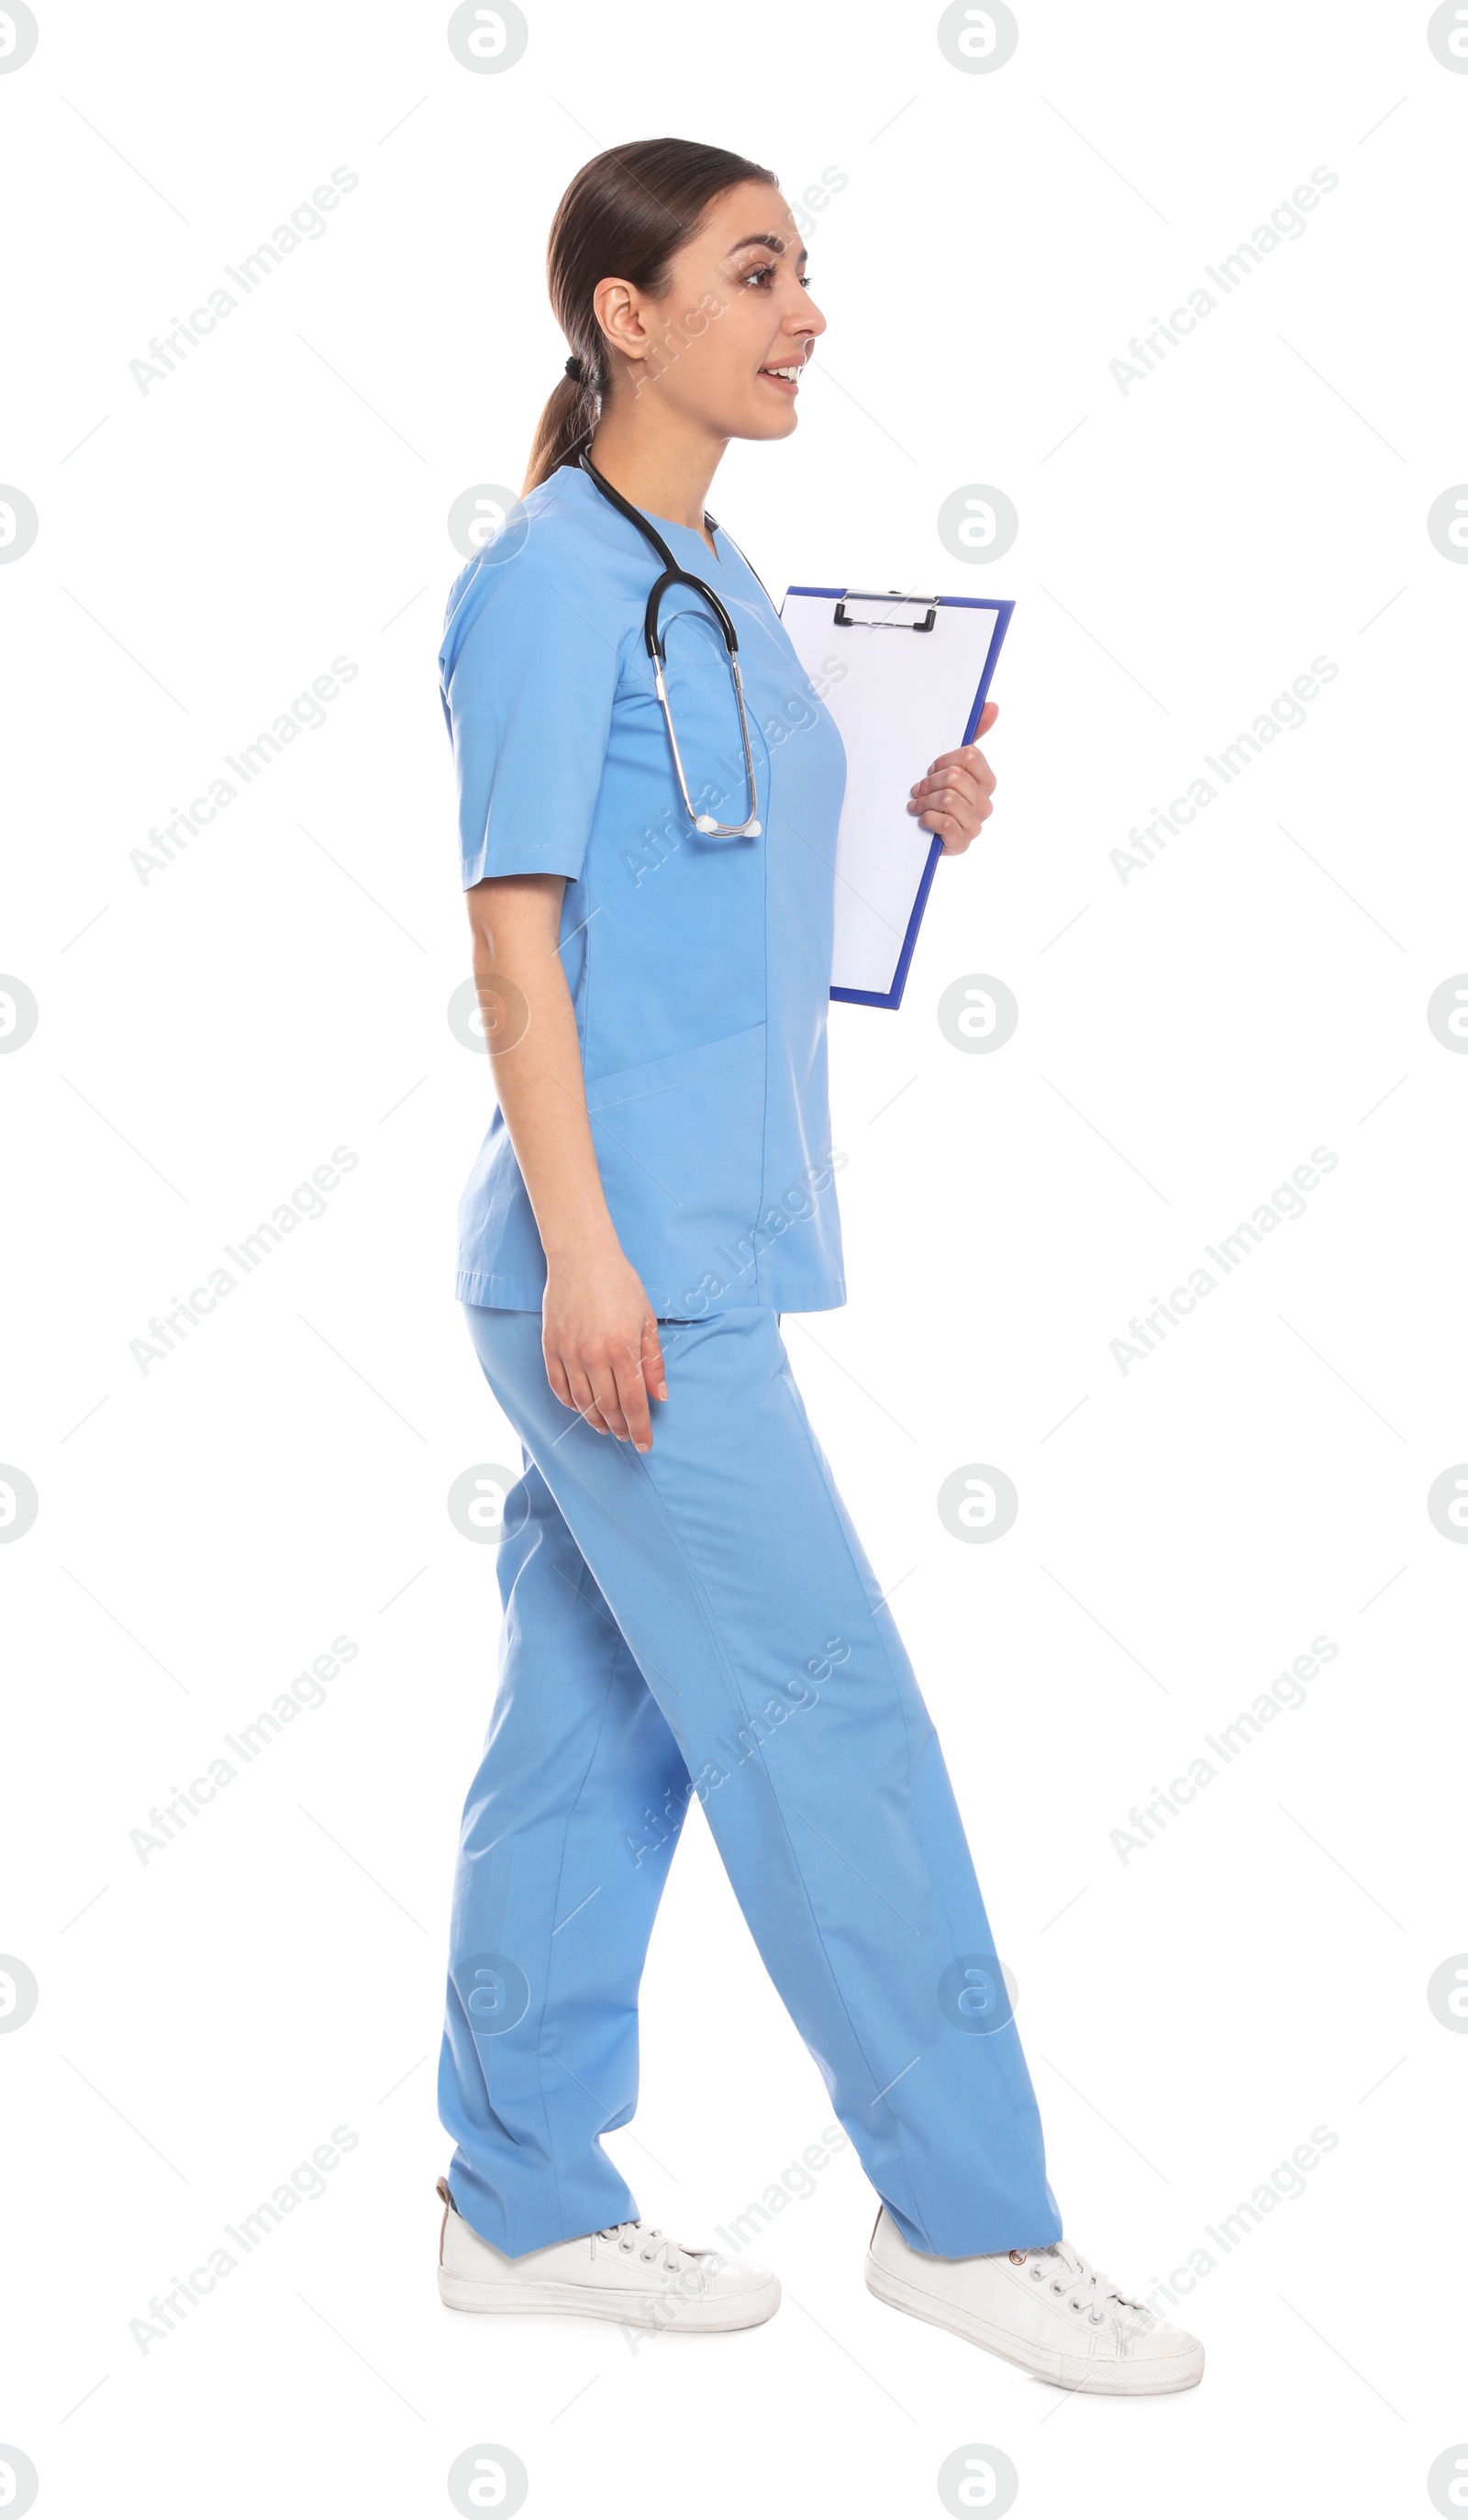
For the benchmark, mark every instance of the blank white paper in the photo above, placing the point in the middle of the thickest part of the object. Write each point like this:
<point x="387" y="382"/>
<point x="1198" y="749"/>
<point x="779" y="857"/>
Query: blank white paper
<point x="899" y="697"/>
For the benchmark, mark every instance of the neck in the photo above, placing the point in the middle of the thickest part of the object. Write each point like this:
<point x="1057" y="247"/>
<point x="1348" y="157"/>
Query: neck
<point x="656" y="459"/>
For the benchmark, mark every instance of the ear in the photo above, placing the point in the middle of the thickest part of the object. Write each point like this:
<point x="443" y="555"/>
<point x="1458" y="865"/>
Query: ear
<point x="618" y="309"/>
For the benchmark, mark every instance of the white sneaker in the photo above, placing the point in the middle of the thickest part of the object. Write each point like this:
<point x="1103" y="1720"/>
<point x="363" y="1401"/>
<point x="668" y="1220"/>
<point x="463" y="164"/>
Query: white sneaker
<point x="1048" y="2310"/>
<point x="629" y="2272"/>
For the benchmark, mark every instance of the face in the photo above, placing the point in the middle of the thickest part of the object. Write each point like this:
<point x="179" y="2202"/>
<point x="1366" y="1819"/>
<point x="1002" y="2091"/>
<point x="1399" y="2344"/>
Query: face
<point x="738" y="309"/>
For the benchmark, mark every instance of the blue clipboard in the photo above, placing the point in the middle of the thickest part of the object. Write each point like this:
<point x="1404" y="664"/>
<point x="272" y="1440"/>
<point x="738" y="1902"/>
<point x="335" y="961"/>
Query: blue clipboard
<point x="931" y="607"/>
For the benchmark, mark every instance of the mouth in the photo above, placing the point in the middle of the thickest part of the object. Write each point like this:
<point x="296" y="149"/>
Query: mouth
<point x="784" y="379"/>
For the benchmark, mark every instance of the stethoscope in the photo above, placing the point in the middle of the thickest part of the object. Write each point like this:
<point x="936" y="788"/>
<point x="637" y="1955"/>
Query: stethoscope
<point x="656" y="651"/>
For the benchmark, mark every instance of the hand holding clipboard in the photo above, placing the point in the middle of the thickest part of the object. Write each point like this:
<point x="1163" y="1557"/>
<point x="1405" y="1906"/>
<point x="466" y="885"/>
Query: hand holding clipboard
<point x="900" y="675"/>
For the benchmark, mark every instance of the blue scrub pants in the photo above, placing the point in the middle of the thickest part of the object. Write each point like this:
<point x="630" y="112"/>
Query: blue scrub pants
<point x="701" y="1621"/>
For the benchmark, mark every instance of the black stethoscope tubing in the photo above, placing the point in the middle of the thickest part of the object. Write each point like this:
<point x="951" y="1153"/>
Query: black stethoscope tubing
<point x="656" y="645"/>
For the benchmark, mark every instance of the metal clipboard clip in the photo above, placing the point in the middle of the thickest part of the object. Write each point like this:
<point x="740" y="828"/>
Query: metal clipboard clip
<point x="858" y="595"/>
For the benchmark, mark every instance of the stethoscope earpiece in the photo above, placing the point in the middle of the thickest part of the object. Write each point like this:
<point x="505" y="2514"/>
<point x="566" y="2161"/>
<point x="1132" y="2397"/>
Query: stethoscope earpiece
<point x="705" y="824"/>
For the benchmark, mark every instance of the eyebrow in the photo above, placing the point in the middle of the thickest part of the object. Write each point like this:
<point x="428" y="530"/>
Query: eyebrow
<point x="775" y="245"/>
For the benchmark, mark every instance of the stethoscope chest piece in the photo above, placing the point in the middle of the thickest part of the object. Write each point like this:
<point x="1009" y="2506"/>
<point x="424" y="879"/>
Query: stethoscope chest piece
<point x="656" y="645"/>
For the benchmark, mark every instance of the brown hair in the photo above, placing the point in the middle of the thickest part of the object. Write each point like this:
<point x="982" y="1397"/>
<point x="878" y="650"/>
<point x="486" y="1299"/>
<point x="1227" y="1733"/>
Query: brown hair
<point x="623" y="216"/>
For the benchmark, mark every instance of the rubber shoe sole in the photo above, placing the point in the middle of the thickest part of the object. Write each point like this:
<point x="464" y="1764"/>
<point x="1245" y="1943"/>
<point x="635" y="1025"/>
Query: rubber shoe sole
<point x="674" y="2314"/>
<point x="1100" y="2379"/>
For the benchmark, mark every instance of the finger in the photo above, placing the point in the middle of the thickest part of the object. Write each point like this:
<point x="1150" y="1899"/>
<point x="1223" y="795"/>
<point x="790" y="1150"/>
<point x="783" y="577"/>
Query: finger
<point x="558" y="1378"/>
<point x="584" y="1398"/>
<point x="654" y="1371"/>
<point x="964" y="756"/>
<point x="631" y="1394"/>
<point x="955" y="795"/>
<point x="971" y="766"/>
<point x="964" y="767"/>
<point x="955" y="788"/>
<point x="986" y="718"/>
<point x="605" y="1392"/>
<point x="954" y="834"/>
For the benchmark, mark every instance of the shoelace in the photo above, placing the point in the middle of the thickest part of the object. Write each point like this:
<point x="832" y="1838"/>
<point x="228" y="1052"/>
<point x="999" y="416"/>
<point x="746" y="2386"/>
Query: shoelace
<point x="1087" y="2289"/>
<point x="646" y="2240"/>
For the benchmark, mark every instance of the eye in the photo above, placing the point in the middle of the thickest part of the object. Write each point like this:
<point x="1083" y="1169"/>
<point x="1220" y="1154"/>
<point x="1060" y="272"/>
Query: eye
<point x="761" y="274"/>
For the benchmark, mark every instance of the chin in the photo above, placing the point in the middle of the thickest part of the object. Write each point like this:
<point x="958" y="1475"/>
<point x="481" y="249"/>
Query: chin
<point x="769" y="423"/>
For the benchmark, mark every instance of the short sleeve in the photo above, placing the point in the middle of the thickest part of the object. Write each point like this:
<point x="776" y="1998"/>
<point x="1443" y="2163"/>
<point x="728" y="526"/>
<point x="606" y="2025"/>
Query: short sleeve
<point x="526" y="676"/>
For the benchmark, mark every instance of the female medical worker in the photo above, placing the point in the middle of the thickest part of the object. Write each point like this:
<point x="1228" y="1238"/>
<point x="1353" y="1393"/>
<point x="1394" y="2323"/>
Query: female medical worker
<point x="688" y="1612"/>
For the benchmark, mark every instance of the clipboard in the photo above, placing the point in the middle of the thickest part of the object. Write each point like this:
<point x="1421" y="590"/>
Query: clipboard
<point x="902" y="675"/>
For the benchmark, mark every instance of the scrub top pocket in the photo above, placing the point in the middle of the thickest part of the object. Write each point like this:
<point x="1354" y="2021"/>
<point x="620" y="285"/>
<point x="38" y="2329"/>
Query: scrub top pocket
<point x="680" y="1140"/>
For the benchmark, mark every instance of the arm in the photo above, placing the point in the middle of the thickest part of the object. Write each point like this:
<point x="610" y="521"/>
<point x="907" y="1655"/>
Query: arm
<point x="602" y="1352"/>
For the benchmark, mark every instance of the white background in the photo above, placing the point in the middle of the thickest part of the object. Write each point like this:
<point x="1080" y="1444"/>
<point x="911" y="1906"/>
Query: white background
<point x="1185" y="1039"/>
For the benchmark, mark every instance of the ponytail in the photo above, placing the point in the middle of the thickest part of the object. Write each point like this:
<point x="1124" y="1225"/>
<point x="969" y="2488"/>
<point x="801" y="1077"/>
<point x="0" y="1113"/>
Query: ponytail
<point x="623" y="216"/>
<point x="566" y="425"/>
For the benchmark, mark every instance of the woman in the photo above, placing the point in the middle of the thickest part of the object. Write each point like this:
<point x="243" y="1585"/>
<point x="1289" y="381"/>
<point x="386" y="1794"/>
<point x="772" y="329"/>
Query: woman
<point x="687" y="1609"/>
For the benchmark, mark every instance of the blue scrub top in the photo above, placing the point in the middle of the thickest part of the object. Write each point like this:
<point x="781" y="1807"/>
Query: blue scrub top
<point x="699" y="968"/>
